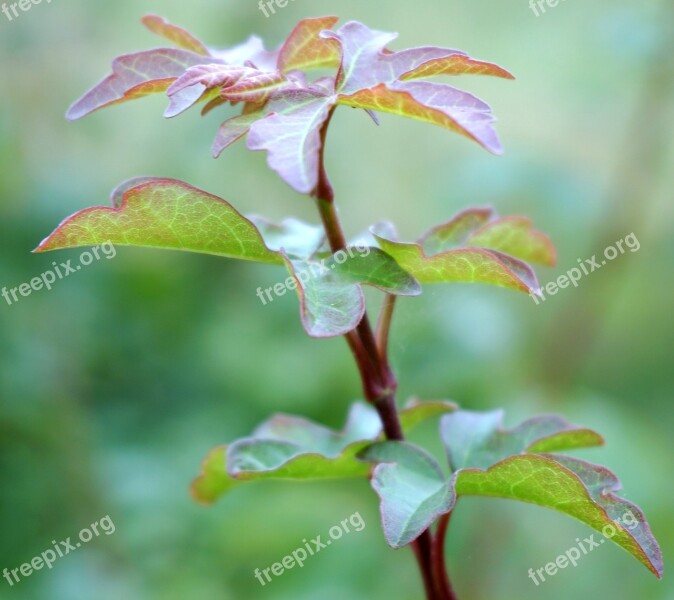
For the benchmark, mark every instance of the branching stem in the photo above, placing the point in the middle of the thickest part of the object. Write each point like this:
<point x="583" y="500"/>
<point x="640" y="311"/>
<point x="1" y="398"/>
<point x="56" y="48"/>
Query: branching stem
<point x="379" y="382"/>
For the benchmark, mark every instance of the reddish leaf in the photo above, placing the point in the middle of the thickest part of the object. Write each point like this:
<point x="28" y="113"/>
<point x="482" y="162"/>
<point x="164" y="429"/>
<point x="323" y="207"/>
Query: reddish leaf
<point x="179" y="36"/>
<point x="283" y="112"/>
<point x="371" y="77"/>
<point x="210" y="75"/>
<point x="257" y="87"/>
<point x="134" y="76"/>
<point x="429" y="61"/>
<point x="304" y="49"/>
<point x="433" y="103"/>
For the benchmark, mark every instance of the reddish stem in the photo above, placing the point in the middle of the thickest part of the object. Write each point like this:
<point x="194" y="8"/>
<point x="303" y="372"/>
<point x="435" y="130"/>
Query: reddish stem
<point x="379" y="382"/>
<point x="438" y="559"/>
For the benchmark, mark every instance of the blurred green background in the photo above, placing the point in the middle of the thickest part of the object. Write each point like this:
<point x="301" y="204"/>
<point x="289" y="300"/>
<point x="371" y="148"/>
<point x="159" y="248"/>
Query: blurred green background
<point x="115" y="384"/>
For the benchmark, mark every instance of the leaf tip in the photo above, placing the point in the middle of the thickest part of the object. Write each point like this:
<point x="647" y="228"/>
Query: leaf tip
<point x="44" y="245"/>
<point x="74" y="113"/>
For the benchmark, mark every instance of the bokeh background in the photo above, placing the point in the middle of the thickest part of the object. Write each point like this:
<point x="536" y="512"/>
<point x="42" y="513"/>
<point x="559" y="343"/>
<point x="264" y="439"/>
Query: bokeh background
<point x="115" y="384"/>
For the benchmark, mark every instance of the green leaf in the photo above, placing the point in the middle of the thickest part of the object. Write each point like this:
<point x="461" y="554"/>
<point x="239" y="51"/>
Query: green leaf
<point x="477" y="439"/>
<point x="482" y="228"/>
<point x="417" y="411"/>
<point x="581" y="490"/>
<point x="286" y="447"/>
<point x="331" y="298"/>
<point x="469" y="265"/>
<point x="491" y="461"/>
<point x="213" y="481"/>
<point x="474" y="247"/>
<point x="412" y="488"/>
<point x="169" y="214"/>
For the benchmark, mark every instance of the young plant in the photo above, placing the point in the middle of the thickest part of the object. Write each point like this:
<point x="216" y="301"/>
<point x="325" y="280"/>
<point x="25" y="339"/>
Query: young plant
<point x="287" y="113"/>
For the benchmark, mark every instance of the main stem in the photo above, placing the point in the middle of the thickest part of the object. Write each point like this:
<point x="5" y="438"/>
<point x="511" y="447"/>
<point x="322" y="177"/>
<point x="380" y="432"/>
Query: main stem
<point x="379" y="382"/>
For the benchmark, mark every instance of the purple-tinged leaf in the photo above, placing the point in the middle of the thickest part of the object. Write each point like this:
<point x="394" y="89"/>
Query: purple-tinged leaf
<point x="184" y="99"/>
<point x="331" y="298"/>
<point x="235" y="83"/>
<point x="291" y="136"/>
<point x="233" y="130"/>
<point x="362" y="49"/>
<point x="179" y="36"/>
<point x="209" y="75"/>
<point x="296" y="238"/>
<point x="373" y="116"/>
<point x="256" y="87"/>
<point x="413" y="490"/>
<point x="169" y="214"/>
<point x="328" y="306"/>
<point x="251" y="53"/>
<point x="284" y="113"/>
<point x="417" y="63"/>
<point x="304" y="49"/>
<point x="374" y="78"/>
<point x="434" y="103"/>
<point x="134" y="76"/>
